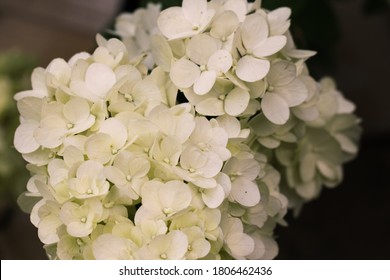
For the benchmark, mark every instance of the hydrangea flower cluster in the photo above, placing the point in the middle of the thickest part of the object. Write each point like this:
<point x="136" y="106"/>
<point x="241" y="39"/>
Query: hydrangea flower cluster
<point x="188" y="138"/>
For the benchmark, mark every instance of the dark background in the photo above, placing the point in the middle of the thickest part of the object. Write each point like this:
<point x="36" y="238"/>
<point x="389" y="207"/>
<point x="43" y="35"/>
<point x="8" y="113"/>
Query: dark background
<point x="352" y="39"/>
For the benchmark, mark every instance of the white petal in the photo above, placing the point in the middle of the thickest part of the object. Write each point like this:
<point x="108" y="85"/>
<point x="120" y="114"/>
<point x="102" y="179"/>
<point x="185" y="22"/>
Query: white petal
<point x="51" y="131"/>
<point x="294" y="93"/>
<point x="201" y="47"/>
<point x="47" y="229"/>
<point x="259" y="250"/>
<point x="239" y="7"/>
<point x="307" y="167"/>
<point x="99" y="79"/>
<point x="57" y="171"/>
<point x="270" y="46"/>
<point x="173" y="24"/>
<point x="184" y="73"/>
<point x="116" y="130"/>
<point x="269" y="142"/>
<point x="245" y="192"/>
<point x="240" y="243"/>
<point x="175" y="195"/>
<point x="193" y="10"/>
<point x="275" y="108"/>
<point x="24" y="140"/>
<point x="250" y="69"/>
<point x="220" y="61"/>
<point x="30" y="93"/>
<point x="307" y="114"/>
<point x="236" y="101"/>
<point x="230" y="124"/>
<point x="205" y="82"/>
<point x="111" y="247"/>
<point x="177" y="244"/>
<point x="224" y="25"/>
<point x="261" y="126"/>
<point x="30" y="108"/>
<point x="79" y="229"/>
<point x="72" y="155"/>
<point x="299" y="54"/>
<point x="213" y="197"/>
<point x="98" y="147"/>
<point x="115" y="175"/>
<point x="39" y="157"/>
<point x="211" y="107"/>
<point x="254" y="31"/>
<point x="278" y="20"/>
<point x="76" y="110"/>
<point x="271" y="248"/>
<point x="345" y="106"/>
<point x="308" y="190"/>
<point x="162" y="53"/>
<point x="60" y="69"/>
<point x="347" y="145"/>
<point x="327" y="170"/>
<point x="281" y="73"/>
<point x="38" y="79"/>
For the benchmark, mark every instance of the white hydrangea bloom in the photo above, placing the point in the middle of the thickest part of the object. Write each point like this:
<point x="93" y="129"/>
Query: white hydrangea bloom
<point x="189" y="138"/>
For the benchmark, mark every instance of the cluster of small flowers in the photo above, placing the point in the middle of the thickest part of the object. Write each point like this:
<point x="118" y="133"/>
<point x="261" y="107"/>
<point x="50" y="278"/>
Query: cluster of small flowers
<point x="122" y="168"/>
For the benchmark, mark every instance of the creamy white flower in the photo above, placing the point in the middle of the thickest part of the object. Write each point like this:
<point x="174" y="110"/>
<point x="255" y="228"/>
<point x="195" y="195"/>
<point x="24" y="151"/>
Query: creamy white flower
<point x="265" y="247"/>
<point x="172" y="246"/>
<point x="111" y="247"/>
<point x="278" y="20"/>
<point x="136" y="30"/>
<point x="80" y="220"/>
<point x="96" y="83"/>
<point x="186" y="21"/>
<point x="199" y="167"/>
<point x="206" y="61"/>
<point x="128" y="173"/>
<point x="216" y="103"/>
<point x="223" y="27"/>
<point x="210" y="138"/>
<point x="252" y="50"/>
<point x="45" y="216"/>
<point x="176" y="121"/>
<point x="89" y="181"/>
<point x="284" y="91"/>
<point x="242" y="173"/>
<point x="71" y="248"/>
<point x="24" y="140"/>
<point x="271" y="135"/>
<point x="236" y="242"/>
<point x="166" y="150"/>
<point x="214" y="197"/>
<point x="232" y="127"/>
<point x="291" y="51"/>
<point x="152" y="228"/>
<point x="162" y="201"/>
<point x="105" y="145"/>
<point x="198" y="246"/>
<point x="62" y="120"/>
<point x="134" y="94"/>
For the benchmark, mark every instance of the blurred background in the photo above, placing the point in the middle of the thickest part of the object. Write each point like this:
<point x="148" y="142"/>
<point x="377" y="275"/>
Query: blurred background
<point x="352" y="38"/>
